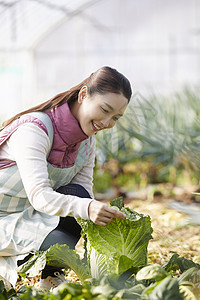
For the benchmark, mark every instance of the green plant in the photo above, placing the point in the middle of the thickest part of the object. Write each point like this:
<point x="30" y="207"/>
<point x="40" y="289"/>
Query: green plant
<point x="117" y="267"/>
<point x="102" y="180"/>
<point x="163" y="130"/>
<point x="118" y="246"/>
<point x="111" y="249"/>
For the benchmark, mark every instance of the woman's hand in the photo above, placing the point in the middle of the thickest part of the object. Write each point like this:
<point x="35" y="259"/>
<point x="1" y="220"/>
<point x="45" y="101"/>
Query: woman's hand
<point x="101" y="214"/>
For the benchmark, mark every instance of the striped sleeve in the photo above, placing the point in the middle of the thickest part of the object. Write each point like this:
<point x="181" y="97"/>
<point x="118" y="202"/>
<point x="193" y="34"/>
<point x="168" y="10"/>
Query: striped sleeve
<point x="29" y="146"/>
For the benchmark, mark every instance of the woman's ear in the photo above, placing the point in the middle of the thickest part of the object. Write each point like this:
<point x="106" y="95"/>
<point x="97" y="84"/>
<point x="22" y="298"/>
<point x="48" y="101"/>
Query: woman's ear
<point x="82" y="94"/>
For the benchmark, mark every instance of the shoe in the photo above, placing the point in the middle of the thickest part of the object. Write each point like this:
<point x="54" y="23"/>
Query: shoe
<point x="52" y="282"/>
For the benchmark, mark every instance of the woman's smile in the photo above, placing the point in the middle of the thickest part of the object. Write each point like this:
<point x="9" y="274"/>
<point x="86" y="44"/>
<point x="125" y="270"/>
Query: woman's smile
<point x="98" y="112"/>
<point x="96" y="127"/>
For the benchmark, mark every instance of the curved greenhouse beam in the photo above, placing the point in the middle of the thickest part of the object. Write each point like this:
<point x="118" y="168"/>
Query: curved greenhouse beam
<point x="68" y="15"/>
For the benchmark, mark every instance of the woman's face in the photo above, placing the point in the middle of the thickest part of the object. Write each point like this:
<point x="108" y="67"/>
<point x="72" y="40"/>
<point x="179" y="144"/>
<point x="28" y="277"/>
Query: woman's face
<point x="98" y="112"/>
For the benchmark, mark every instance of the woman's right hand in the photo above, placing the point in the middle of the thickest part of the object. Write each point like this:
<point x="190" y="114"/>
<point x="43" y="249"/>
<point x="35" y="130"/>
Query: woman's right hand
<point x="101" y="214"/>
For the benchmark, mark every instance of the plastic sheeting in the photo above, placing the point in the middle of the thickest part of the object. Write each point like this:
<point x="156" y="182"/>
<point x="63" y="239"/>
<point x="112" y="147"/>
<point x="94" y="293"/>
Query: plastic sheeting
<point x="23" y="23"/>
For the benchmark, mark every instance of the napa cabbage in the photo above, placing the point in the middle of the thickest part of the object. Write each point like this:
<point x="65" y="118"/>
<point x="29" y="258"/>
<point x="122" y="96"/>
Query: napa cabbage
<point x="118" y="246"/>
<point x="111" y="250"/>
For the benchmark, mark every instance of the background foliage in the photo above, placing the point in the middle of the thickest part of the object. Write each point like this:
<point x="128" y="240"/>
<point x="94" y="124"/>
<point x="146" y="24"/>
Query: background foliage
<point x="156" y="141"/>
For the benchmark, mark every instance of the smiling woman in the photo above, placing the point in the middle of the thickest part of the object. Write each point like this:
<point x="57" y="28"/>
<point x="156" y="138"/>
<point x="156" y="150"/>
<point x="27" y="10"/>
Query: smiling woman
<point x="98" y="112"/>
<point x="46" y="170"/>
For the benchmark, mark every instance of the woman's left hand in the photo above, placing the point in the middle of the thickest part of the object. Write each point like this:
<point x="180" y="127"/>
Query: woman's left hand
<point x="101" y="213"/>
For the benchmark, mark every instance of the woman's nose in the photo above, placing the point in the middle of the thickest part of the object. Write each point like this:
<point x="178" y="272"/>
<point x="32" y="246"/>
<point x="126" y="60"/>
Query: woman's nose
<point x="107" y="122"/>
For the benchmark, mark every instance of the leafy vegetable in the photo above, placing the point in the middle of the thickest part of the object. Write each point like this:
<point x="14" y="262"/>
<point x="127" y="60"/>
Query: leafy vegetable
<point x="189" y="291"/>
<point x="154" y="272"/>
<point x="71" y="289"/>
<point x="192" y="275"/>
<point x="176" y="262"/>
<point x="117" y="202"/>
<point x="60" y="256"/>
<point x="189" y="283"/>
<point x="33" y="266"/>
<point x="117" y="266"/>
<point x="168" y="289"/>
<point x="120" y="245"/>
<point x="6" y="293"/>
<point x="149" y="283"/>
<point x="112" y="249"/>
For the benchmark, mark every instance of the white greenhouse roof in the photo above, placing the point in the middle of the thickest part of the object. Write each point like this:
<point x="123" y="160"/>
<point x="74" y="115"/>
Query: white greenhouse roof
<point x="23" y="23"/>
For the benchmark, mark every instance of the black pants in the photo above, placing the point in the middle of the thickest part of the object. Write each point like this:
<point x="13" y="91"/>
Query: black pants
<point x="68" y="230"/>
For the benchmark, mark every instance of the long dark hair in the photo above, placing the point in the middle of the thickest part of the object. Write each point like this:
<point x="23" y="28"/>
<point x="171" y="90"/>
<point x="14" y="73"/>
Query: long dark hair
<point x="104" y="80"/>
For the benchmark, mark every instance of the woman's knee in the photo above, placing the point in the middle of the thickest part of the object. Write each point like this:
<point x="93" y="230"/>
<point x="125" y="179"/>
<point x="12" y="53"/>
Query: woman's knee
<point x="57" y="236"/>
<point x="74" y="190"/>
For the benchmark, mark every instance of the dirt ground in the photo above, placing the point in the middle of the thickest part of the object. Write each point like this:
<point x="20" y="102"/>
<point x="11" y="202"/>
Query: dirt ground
<point x="172" y="231"/>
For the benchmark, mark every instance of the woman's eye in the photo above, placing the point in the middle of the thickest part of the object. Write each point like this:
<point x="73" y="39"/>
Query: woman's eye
<point x="104" y="110"/>
<point x="115" y="118"/>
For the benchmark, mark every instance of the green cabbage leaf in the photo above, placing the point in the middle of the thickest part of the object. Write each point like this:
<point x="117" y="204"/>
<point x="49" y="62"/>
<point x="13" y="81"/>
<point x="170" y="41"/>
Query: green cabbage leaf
<point x="60" y="256"/>
<point x="118" y="246"/>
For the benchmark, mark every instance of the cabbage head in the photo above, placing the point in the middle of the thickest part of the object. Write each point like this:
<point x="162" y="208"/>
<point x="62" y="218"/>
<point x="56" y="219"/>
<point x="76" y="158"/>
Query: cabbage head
<point x="118" y="246"/>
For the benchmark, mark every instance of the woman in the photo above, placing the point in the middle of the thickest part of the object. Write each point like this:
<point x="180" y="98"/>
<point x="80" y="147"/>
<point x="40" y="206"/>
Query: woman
<point x="46" y="167"/>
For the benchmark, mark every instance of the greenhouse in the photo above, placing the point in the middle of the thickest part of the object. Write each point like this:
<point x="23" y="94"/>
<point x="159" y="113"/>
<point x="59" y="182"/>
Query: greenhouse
<point x="146" y="164"/>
